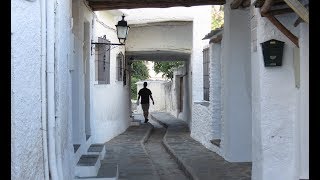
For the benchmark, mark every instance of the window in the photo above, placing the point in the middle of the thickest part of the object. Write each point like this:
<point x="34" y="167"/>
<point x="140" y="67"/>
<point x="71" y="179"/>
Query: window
<point x="102" y="61"/>
<point x="206" y="84"/>
<point x="120" y="61"/>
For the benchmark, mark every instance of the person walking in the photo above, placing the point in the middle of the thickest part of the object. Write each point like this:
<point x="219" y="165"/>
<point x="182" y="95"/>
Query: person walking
<point x="145" y="94"/>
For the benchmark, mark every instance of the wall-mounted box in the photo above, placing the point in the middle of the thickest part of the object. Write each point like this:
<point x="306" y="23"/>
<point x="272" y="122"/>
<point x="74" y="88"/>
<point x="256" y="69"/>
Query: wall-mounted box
<point x="272" y="52"/>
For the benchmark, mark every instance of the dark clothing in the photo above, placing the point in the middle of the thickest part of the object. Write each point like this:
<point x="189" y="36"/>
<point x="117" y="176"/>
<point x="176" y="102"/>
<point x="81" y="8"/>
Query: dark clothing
<point x="145" y="95"/>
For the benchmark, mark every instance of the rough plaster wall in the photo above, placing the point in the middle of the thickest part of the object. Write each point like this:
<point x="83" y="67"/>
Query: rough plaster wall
<point x="206" y="119"/>
<point x="201" y="27"/>
<point x="111" y="113"/>
<point x="257" y="155"/>
<point x="62" y="75"/>
<point x="166" y="37"/>
<point x="202" y="124"/>
<point x="214" y="121"/>
<point x="274" y="98"/>
<point x="215" y="90"/>
<point x="110" y="110"/>
<point x="199" y="115"/>
<point x="236" y="121"/>
<point x="26" y="134"/>
<point x="172" y="92"/>
<point x="147" y="15"/>
<point x="304" y="101"/>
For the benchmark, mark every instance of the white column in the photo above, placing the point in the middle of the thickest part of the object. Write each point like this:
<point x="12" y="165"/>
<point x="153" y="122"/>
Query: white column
<point x="304" y="101"/>
<point x="274" y="102"/>
<point x="215" y="90"/>
<point x="236" y="79"/>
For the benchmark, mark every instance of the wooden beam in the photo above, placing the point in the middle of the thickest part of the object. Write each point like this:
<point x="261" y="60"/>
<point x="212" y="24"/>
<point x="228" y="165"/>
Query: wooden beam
<point x="266" y="7"/>
<point x="280" y="11"/>
<point x="236" y="4"/>
<point x="299" y="9"/>
<point x="216" y="39"/>
<point x="131" y="4"/>
<point x="297" y="22"/>
<point x="246" y="3"/>
<point x="283" y="29"/>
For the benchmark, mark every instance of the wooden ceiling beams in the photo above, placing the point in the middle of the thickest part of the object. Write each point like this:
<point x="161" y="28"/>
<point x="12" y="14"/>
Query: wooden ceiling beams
<point x="97" y="5"/>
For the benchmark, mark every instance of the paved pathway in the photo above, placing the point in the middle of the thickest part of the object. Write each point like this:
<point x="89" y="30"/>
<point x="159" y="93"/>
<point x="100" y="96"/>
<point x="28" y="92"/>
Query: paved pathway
<point x="197" y="161"/>
<point x="140" y="158"/>
<point x="165" y="165"/>
<point x="127" y="151"/>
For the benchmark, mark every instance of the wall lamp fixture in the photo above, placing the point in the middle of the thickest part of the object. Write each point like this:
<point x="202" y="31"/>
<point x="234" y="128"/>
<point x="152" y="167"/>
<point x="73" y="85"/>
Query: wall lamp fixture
<point x="122" y="33"/>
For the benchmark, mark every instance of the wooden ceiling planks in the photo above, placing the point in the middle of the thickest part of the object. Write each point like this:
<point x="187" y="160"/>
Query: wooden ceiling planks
<point x="97" y="5"/>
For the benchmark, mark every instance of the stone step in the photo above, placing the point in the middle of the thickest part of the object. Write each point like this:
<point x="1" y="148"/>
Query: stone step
<point x="135" y="123"/>
<point x="99" y="149"/>
<point x="111" y="172"/>
<point x="88" y="165"/>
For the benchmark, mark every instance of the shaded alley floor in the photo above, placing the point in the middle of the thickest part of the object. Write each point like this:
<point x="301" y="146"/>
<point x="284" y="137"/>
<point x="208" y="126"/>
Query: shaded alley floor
<point x="141" y="152"/>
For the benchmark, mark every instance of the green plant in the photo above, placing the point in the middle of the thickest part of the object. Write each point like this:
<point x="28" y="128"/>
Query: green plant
<point x="217" y="15"/>
<point x="139" y="72"/>
<point x="167" y="67"/>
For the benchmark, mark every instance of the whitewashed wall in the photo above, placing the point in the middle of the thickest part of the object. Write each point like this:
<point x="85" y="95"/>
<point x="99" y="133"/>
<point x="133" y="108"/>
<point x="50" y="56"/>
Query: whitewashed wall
<point x="26" y="134"/>
<point x="110" y="110"/>
<point x="304" y="103"/>
<point x="63" y="135"/>
<point x="236" y="85"/>
<point x="166" y="36"/>
<point x="274" y="101"/>
<point x="207" y="114"/>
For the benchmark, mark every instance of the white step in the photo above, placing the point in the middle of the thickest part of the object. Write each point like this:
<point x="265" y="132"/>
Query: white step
<point x="135" y="123"/>
<point x="98" y="149"/>
<point x="88" y="165"/>
<point x="112" y="173"/>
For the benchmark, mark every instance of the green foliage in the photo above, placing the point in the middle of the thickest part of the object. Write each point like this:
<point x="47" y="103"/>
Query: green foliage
<point x="167" y="67"/>
<point x="217" y="17"/>
<point x="139" y="72"/>
<point x="134" y="88"/>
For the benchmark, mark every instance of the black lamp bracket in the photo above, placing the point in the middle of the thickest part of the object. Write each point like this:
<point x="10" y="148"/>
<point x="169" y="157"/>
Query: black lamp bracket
<point x="110" y="45"/>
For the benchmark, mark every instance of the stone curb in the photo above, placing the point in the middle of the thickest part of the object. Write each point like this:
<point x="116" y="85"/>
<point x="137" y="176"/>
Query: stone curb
<point x="147" y="135"/>
<point x="143" y="141"/>
<point x="186" y="169"/>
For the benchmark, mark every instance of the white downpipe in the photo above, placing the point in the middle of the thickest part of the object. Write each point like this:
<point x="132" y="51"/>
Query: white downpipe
<point x="50" y="89"/>
<point x="58" y="120"/>
<point x="44" y="89"/>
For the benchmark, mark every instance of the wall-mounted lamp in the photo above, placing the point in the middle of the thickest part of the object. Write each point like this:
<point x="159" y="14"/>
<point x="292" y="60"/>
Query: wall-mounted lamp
<point x="122" y="33"/>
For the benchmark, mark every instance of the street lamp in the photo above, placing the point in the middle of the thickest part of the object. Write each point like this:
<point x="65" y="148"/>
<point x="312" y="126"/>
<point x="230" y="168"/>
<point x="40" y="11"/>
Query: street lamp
<point x="122" y="30"/>
<point x="122" y="33"/>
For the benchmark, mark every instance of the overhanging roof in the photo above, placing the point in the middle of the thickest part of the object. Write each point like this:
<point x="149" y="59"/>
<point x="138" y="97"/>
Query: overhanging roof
<point x="98" y="5"/>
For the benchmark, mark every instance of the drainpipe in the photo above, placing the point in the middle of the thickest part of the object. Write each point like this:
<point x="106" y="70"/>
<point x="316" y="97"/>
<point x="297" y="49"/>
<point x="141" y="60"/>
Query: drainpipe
<point x="43" y="89"/>
<point x="56" y="51"/>
<point x="50" y="89"/>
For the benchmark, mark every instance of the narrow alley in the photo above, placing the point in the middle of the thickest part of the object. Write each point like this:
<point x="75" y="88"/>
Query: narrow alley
<point x="152" y="152"/>
<point x="229" y="82"/>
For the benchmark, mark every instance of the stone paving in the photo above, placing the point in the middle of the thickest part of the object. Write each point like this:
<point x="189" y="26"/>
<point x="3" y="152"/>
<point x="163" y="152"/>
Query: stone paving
<point x="165" y="165"/>
<point x="140" y="158"/>
<point x="127" y="151"/>
<point x="197" y="161"/>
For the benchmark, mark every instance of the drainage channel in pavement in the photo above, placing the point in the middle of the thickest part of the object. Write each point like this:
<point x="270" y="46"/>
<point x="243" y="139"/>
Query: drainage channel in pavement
<point x="165" y="165"/>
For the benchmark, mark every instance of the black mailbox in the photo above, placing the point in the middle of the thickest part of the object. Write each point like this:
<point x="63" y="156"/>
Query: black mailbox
<point x="272" y="52"/>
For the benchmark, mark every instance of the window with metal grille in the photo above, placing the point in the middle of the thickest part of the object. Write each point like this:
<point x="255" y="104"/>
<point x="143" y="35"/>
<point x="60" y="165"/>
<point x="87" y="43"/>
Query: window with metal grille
<point x="102" y="61"/>
<point x="206" y="84"/>
<point x="120" y="61"/>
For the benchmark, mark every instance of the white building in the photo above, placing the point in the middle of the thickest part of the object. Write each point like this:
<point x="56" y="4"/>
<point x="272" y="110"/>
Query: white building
<point x="69" y="93"/>
<point x="62" y="93"/>
<point x="257" y="113"/>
